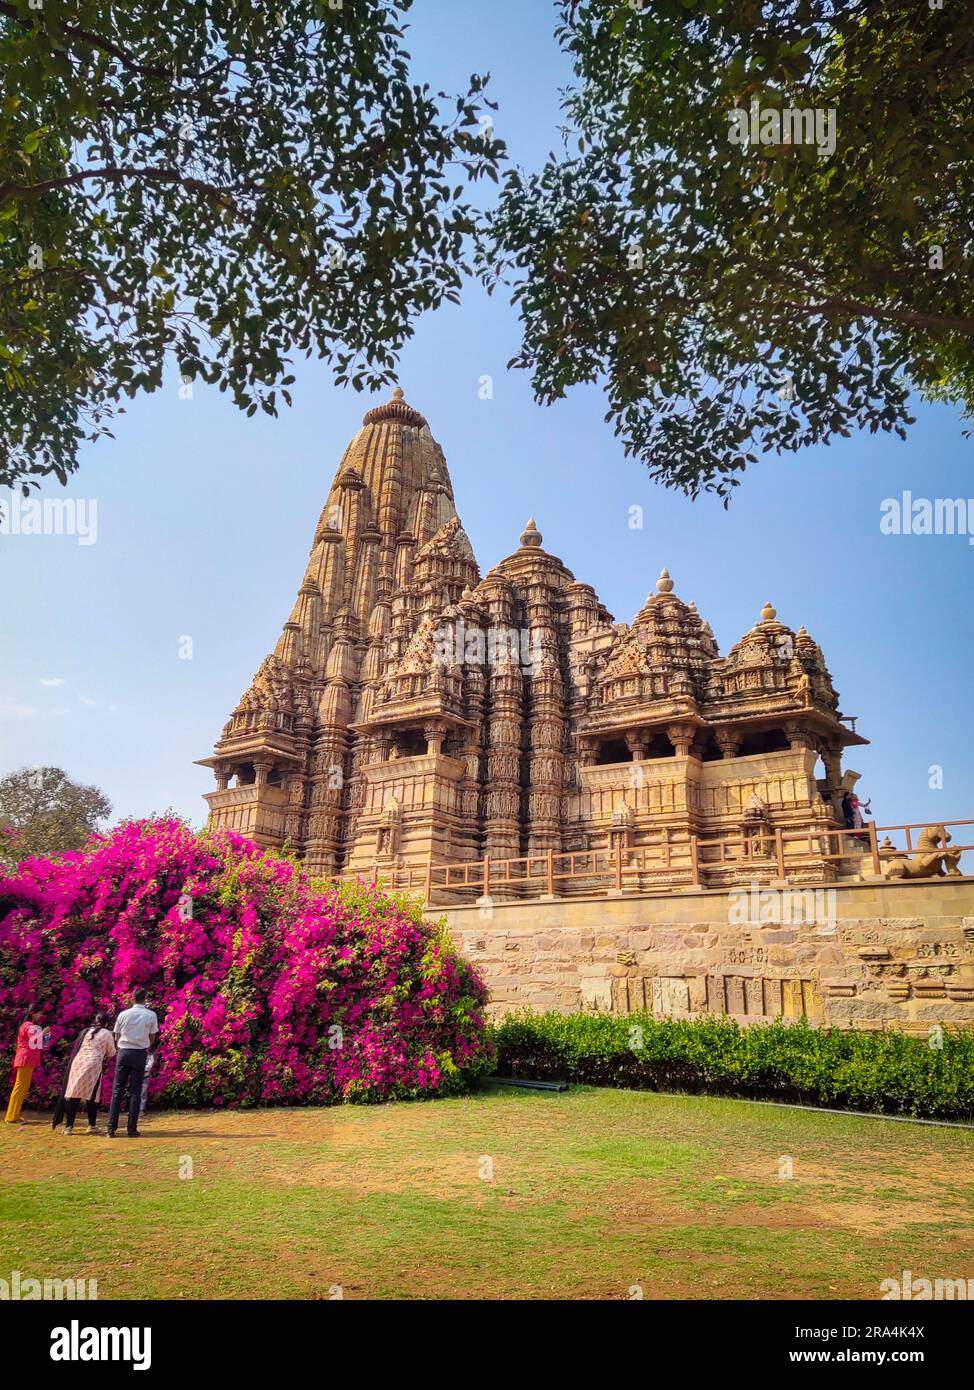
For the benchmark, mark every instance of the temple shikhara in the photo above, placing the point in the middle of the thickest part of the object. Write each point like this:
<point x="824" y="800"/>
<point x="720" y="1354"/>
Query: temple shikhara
<point x="416" y="713"/>
<point x="613" y="816"/>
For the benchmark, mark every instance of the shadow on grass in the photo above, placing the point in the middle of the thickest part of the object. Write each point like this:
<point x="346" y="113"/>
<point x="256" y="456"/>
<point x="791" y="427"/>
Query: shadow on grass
<point x="196" y="1134"/>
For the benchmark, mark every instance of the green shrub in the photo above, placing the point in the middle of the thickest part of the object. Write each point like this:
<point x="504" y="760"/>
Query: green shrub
<point x="886" y="1072"/>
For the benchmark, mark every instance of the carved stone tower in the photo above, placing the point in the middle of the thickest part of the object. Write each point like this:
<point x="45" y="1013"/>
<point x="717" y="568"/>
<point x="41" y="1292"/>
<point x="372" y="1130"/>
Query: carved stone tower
<point x="293" y="748"/>
<point x="413" y="712"/>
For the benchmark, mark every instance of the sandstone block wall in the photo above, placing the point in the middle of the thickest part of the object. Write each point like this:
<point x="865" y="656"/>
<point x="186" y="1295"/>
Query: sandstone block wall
<point x="867" y="955"/>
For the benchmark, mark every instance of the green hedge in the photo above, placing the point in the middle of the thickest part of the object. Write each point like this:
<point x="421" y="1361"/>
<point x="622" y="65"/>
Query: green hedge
<point x="878" y="1071"/>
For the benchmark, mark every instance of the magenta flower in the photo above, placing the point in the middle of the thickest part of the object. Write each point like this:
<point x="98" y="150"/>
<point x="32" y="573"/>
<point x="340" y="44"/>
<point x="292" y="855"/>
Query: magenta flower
<point x="270" y="988"/>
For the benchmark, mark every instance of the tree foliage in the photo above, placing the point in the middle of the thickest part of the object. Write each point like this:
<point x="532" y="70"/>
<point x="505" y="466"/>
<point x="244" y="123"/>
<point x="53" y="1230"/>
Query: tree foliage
<point x="43" y="812"/>
<point x="743" y="298"/>
<point x="221" y="183"/>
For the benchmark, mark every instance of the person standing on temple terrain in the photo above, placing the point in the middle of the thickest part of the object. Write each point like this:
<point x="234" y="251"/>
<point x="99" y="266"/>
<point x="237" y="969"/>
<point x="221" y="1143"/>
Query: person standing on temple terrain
<point x="96" y="1046"/>
<point x="31" y="1040"/>
<point x="136" y="1033"/>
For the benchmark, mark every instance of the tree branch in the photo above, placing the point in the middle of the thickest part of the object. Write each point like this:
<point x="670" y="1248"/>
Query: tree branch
<point x="224" y="198"/>
<point x="104" y="45"/>
<point x="96" y="41"/>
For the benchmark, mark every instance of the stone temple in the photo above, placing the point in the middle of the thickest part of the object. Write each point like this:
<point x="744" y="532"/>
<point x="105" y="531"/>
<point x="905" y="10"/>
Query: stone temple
<point x="416" y="714"/>
<point x="612" y="816"/>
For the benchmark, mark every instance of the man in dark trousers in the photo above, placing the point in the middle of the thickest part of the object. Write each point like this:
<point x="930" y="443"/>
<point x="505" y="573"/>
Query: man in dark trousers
<point x="136" y="1035"/>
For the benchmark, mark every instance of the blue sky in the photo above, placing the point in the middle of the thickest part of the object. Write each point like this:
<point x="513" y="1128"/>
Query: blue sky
<point x="205" y="519"/>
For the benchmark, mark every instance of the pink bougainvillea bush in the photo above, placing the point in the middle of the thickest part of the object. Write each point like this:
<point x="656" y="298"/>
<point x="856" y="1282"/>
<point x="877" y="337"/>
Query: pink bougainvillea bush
<point x="270" y="988"/>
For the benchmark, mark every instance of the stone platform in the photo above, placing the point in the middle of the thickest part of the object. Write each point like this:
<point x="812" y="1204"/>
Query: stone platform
<point x="864" y="955"/>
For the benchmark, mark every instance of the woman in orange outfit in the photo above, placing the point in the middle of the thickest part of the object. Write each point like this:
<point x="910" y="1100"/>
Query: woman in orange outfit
<point x="31" y="1038"/>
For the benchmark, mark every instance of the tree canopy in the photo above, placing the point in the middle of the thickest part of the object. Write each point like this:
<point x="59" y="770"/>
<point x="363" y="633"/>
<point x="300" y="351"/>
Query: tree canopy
<point x="756" y="237"/>
<point x="221" y="183"/>
<point x="737" y="285"/>
<point x="43" y="812"/>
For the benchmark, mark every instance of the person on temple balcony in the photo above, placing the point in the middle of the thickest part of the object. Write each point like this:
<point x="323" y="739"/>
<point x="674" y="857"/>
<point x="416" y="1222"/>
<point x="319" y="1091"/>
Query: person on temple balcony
<point x="852" y="813"/>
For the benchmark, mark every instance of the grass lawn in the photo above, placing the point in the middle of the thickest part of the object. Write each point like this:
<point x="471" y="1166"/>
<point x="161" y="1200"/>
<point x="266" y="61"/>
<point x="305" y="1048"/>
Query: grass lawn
<point x="593" y="1191"/>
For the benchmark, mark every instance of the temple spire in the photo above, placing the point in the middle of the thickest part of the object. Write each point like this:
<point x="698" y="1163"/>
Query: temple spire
<point x="531" y="537"/>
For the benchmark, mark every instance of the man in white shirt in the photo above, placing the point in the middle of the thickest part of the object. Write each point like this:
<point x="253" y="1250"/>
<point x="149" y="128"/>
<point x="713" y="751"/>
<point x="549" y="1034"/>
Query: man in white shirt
<point x="136" y="1035"/>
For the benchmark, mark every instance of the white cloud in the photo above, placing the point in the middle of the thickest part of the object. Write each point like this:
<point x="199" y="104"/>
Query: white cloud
<point x="52" y="680"/>
<point x="12" y="711"/>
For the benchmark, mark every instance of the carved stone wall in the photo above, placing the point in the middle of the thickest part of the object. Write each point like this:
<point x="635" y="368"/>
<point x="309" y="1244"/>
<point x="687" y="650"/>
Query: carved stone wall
<point x="879" y="956"/>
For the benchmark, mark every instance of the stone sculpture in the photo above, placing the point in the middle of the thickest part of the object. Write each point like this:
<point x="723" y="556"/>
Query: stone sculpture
<point x="931" y="859"/>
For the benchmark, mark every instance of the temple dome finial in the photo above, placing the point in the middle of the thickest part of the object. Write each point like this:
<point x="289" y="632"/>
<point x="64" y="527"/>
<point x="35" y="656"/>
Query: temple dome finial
<point x="664" y="585"/>
<point x="768" y="613"/>
<point x="531" y="537"/>
<point x="395" y="409"/>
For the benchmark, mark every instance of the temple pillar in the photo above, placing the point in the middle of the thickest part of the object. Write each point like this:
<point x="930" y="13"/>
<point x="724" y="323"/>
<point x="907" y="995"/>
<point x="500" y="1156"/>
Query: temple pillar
<point x="729" y="741"/>
<point x="588" y="752"/>
<point x="799" y="736"/>
<point x="637" y="741"/>
<point x="832" y="762"/>
<point x="502" y="801"/>
<point x="681" y="736"/>
<point x="294" y="815"/>
<point x="434" y="735"/>
<point x="546" y="743"/>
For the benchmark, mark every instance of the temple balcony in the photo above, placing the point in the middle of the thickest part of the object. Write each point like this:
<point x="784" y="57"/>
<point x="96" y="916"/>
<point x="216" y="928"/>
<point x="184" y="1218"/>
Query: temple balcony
<point x="255" y="811"/>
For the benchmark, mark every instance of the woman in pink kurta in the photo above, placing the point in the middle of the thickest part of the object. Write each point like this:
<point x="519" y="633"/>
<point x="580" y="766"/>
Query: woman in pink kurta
<point x="84" y="1078"/>
<point x="31" y="1040"/>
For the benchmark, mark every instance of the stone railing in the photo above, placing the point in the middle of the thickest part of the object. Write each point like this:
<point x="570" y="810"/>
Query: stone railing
<point x="677" y="859"/>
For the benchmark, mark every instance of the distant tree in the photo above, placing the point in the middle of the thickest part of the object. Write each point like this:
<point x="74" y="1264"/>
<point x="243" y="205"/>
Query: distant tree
<point x="220" y="183"/>
<point x="738" y="298"/>
<point x="43" y="812"/>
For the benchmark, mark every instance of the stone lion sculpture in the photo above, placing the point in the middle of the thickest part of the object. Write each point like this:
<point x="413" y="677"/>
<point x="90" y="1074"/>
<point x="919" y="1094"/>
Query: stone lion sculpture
<point x="931" y="859"/>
